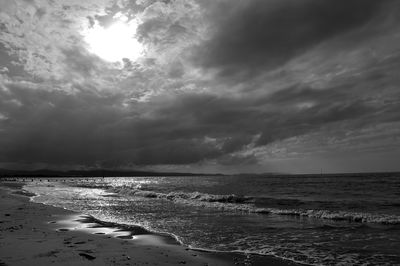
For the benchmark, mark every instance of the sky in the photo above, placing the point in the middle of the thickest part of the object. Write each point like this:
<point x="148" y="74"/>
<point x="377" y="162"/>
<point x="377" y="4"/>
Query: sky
<point x="228" y="86"/>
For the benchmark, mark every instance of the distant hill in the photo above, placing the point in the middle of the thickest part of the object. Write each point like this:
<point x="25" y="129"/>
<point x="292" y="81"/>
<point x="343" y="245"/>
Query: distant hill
<point x="88" y="173"/>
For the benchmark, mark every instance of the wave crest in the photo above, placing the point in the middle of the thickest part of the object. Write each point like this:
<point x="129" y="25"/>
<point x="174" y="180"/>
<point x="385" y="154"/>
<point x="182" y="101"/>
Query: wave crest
<point x="176" y="196"/>
<point x="244" y="204"/>
<point x="360" y="217"/>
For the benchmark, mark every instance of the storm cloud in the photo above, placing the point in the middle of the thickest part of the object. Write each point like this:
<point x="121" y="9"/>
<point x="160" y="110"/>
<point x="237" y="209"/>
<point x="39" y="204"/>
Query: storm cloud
<point x="254" y="36"/>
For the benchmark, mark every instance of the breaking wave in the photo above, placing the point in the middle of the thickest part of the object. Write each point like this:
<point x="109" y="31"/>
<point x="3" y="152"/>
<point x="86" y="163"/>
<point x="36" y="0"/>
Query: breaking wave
<point x="177" y="196"/>
<point x="246" y="204"/>
<point x="341" y="216"/>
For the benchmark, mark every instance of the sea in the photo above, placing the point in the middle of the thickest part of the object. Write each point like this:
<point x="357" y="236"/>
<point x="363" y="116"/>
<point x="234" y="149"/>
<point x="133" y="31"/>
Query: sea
<point x="346" y="219"/>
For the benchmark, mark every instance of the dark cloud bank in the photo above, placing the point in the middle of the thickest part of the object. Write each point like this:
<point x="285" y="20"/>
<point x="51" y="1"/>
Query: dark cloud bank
<point x="259" y="35"/>
<point x="86" y="129"/>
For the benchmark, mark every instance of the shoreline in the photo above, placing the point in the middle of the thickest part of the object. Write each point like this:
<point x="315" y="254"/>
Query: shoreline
<point x="34" y="233"/>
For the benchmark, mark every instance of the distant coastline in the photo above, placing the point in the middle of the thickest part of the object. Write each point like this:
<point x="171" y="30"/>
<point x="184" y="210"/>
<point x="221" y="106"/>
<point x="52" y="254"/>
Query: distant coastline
<point x="48" y="173"/>
<point x="90" y="173"/>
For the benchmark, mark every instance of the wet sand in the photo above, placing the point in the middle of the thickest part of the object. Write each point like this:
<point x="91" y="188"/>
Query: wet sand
<point x="37" y="234"/>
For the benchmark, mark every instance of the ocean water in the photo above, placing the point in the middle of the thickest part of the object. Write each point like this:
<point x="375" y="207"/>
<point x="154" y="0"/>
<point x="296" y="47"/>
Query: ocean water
<point x="317" y="220"/>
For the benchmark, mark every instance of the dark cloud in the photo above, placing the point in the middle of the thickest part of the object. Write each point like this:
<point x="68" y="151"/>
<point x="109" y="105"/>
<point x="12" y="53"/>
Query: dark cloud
<point x="53" y="127"/>
<point x="258" y="35"/>
<point x="234" y="160"/>
<point x="300" y="122"/>
<point x="158" y="31"/>
<point x="10" y="61"/>
<point x="80" y="61"/>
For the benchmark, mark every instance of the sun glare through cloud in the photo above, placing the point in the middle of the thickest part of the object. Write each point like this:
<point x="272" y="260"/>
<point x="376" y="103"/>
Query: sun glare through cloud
<point x="115" y="42"/>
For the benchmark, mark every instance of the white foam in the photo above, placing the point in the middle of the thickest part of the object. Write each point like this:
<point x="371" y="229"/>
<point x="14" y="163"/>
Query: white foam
<point x="242" y="204"/>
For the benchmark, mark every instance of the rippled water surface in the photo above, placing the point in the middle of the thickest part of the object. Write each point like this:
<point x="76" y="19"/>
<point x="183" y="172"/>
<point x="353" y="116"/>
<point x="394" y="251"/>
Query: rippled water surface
<point x="328" y="220"/>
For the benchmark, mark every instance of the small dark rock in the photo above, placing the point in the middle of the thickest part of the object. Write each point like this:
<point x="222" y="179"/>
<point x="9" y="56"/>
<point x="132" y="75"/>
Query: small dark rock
<point x="87" y="256"/>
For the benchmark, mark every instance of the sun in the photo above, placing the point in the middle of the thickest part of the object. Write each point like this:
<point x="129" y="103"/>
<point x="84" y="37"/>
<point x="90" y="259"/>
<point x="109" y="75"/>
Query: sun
<point x="115" y="42"/>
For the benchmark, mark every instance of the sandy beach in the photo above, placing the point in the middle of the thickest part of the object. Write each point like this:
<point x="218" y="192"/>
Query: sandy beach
<point x="37" y="234"/>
